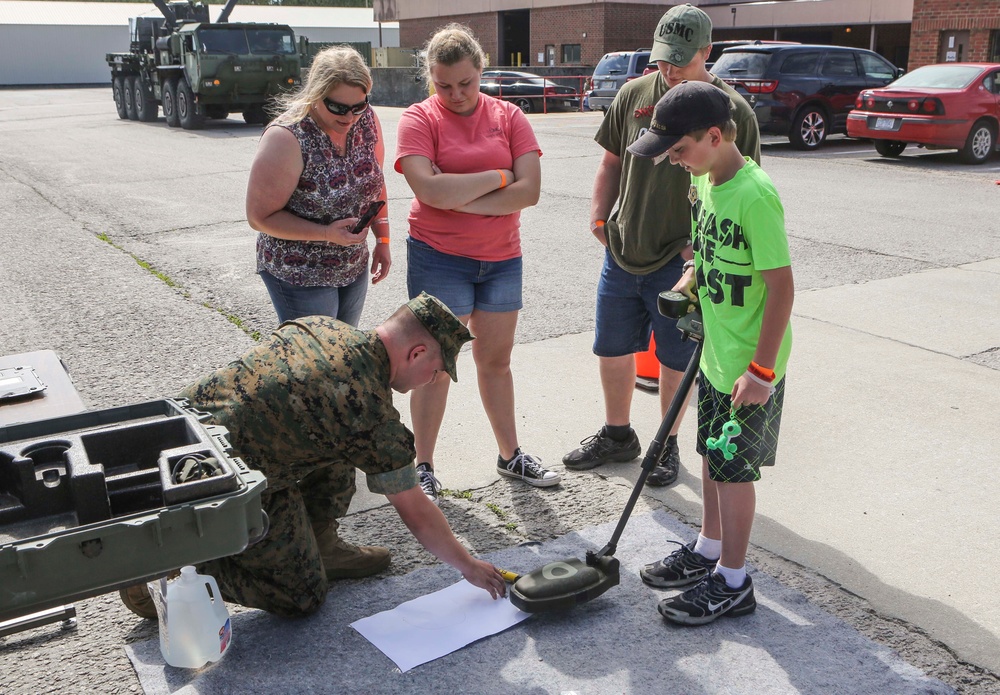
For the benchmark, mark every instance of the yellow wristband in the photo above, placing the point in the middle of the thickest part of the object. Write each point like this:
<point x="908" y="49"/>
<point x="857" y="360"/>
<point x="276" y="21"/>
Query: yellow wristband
<point x="503" y="178"/>
<point x="382" y="240"/>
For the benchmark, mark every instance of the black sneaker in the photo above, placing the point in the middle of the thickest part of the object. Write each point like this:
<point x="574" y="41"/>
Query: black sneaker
<point x="428" y="483"/>
<point x="708" y="600"/>
<point x="527" y="468"/>
<point x="665" y="472"/>
<point x="681" y="568"/>
<point x="600" y="448"/>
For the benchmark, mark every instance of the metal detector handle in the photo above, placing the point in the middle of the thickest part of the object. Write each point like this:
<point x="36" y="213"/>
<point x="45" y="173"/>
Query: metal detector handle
<point x="656" y="446"/>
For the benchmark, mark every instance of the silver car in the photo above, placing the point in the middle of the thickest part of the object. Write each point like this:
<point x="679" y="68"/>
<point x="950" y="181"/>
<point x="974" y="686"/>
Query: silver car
<point x="614" y="70"/>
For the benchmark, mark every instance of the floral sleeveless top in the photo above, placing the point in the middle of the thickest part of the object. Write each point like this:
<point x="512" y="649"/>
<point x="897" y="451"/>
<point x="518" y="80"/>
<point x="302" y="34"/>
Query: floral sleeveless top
<point x="332" y="186"/>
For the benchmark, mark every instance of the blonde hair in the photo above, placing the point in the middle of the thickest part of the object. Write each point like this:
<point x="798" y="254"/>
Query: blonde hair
<point x="330" y="68"/>
<point x="450" y="45"/>
<point x="728" y="130"/>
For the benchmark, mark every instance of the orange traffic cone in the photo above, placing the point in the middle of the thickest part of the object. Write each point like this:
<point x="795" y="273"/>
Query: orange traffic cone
<point x="647" y="368"/>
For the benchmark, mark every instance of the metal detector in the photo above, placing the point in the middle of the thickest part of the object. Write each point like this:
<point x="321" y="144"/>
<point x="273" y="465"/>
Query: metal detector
<point x="565" y="583"/>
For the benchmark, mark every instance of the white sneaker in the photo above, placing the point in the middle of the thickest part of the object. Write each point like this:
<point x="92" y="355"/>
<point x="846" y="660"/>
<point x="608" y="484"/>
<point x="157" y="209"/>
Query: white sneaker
<point x="527" y="468"/>
<point x="428" y="482"/>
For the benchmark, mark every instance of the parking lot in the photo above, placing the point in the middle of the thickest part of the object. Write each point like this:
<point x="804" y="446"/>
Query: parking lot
<point x="882" y="501"/>
<point x="843" y="147"/>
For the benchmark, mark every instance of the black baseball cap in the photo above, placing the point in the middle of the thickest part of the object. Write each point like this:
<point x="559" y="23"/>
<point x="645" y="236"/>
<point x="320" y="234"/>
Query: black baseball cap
<point x="688" y="107"/>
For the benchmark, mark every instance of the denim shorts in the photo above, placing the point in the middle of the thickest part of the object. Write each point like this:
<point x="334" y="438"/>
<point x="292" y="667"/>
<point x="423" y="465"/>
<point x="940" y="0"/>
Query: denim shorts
<point x="627" y="311"/>
<point x="295" y="301"/>
<point x="463" y="284"/>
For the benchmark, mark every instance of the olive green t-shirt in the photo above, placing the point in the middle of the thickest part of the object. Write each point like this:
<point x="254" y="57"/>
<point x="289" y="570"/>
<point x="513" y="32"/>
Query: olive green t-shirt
<point x="653" y="220"/>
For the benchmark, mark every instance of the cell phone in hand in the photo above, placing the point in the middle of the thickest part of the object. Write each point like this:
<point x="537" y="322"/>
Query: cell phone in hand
<point x="367" y="216"/>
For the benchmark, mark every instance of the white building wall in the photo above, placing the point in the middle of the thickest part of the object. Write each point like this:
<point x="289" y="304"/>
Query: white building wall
<point x="42" y="55"/>
<point x="64" y="43"/>
<point x="50" y="55"/>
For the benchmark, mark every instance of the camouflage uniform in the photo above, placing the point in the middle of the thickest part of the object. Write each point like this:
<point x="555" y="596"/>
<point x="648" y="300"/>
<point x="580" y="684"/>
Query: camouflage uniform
<point x="306" y="409"/>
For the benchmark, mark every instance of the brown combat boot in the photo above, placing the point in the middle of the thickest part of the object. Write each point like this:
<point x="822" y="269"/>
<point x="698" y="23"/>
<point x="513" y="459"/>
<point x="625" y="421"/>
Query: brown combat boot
<point x="343" y="560"/>
<point x="137" y="599"/>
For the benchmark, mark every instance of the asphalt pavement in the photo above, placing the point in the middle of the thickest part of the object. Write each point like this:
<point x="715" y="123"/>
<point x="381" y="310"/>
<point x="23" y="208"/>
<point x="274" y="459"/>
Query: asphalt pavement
<point x="881" y="509"/>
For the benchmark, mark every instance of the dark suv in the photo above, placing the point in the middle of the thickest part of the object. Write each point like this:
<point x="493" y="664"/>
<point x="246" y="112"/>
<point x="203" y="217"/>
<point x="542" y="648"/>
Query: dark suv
<point x="803" y="92"/>
<point x="614" y="70"/>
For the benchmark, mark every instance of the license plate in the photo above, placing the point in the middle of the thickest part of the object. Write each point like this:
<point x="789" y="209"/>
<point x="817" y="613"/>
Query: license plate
<point x="607" y="85"/>
<point x="885" y="124"/>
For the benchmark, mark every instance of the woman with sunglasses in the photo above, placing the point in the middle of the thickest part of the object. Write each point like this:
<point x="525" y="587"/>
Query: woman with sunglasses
<point x="317" y="169"/>
<point x="472" y="162"/>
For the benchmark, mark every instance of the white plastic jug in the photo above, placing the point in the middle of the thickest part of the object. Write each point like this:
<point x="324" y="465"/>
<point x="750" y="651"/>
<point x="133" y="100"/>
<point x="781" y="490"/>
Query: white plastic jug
<point x="194" y="624"/>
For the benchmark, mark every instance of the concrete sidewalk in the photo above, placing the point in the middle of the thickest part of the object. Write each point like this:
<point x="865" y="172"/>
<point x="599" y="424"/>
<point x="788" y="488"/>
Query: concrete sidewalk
<point x="882" y="423"/>
<point x="616" y="643"/>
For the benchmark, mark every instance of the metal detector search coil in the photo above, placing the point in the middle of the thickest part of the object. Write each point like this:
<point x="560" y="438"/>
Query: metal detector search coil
<point x="564" y="584"/>
<point x="567" y="583"/>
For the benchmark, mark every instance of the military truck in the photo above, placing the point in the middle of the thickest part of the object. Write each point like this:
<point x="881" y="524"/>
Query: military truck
<point x="195" y="69"/>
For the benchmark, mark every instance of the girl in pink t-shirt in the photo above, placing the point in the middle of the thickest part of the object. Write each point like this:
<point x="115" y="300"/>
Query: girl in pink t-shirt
<point x="473" y="164"/>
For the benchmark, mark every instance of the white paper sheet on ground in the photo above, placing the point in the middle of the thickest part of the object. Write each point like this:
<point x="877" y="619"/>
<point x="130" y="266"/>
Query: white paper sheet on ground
<point x="437" y="624"/>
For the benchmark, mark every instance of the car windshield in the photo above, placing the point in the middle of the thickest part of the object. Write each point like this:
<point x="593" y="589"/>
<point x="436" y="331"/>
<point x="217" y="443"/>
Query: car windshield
<point x="231" y="41"/>
<point x="741" y="64"/>
<point x="271" y="41"/>
<point x="612" y="64"/>
<point x="940" y="77"/>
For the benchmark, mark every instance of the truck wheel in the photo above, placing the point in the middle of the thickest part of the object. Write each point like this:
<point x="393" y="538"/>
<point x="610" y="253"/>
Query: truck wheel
<point x="130" y="98"/>
<point x="170" y="103"/>
<point x="188" y="112"/>
<point x="145" y="104"/>
<point x="255" y="114"/>
<point x="118" y="90"/>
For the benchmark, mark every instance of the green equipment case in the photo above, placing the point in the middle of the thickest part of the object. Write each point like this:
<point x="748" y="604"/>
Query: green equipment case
<point x="101" y="499"/>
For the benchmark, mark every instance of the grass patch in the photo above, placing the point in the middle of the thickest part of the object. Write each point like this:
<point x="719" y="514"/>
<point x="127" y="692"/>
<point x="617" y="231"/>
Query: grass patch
<point x="158" y="274"/>
<point x="501" y="514"/>
<point x="459" y="494"/>
<point x="170" y="282"/>
<point x="238" y="322"/>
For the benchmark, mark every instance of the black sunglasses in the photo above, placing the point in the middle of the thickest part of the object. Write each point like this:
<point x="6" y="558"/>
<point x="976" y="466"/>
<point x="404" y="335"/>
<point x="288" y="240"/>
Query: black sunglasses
<point x="338" y="109"/>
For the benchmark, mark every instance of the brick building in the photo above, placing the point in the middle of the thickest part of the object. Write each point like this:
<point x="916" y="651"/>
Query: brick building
<point x="579" y="32"/>
<point x="955" y="30"/>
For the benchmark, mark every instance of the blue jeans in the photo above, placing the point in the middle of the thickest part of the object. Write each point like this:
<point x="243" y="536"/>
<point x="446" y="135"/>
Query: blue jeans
<point x="627" y="311"/>
<point x="461" y="283"/>
<point x="295" y="301"/>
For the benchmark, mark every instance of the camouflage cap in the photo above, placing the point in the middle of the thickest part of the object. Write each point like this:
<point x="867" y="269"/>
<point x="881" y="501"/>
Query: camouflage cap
<point x="444" y="326"/>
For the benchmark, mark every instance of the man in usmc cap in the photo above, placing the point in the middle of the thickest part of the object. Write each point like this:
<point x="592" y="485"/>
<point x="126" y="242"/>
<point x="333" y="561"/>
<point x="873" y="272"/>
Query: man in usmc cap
<point x="647" y="240"/>
<point x="307" y="408"/>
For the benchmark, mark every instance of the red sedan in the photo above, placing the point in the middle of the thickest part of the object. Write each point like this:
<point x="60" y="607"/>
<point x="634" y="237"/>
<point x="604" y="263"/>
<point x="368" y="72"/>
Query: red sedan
<point x="952" y="106"/>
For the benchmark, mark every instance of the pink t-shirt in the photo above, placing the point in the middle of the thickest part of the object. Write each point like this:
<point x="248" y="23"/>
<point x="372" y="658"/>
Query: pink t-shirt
<point x="492" y="137"/>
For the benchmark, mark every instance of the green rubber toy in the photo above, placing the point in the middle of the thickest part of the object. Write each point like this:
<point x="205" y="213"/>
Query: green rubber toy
<point x="730" y="430"/>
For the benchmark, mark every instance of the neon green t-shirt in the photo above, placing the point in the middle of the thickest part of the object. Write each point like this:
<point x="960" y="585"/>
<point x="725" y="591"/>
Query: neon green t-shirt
<point x="738" y="231"/>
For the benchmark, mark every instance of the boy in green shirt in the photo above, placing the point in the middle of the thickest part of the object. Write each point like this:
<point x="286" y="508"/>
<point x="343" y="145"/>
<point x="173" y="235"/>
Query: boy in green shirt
<point x="741" y="277"/>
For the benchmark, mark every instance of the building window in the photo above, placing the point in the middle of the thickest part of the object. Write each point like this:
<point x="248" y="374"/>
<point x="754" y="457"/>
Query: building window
<point x="994" y="47"/>
<point x="571" y="53"/>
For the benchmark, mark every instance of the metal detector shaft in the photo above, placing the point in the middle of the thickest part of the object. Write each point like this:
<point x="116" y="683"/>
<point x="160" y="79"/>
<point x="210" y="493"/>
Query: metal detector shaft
<point x="691" y="326"/>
